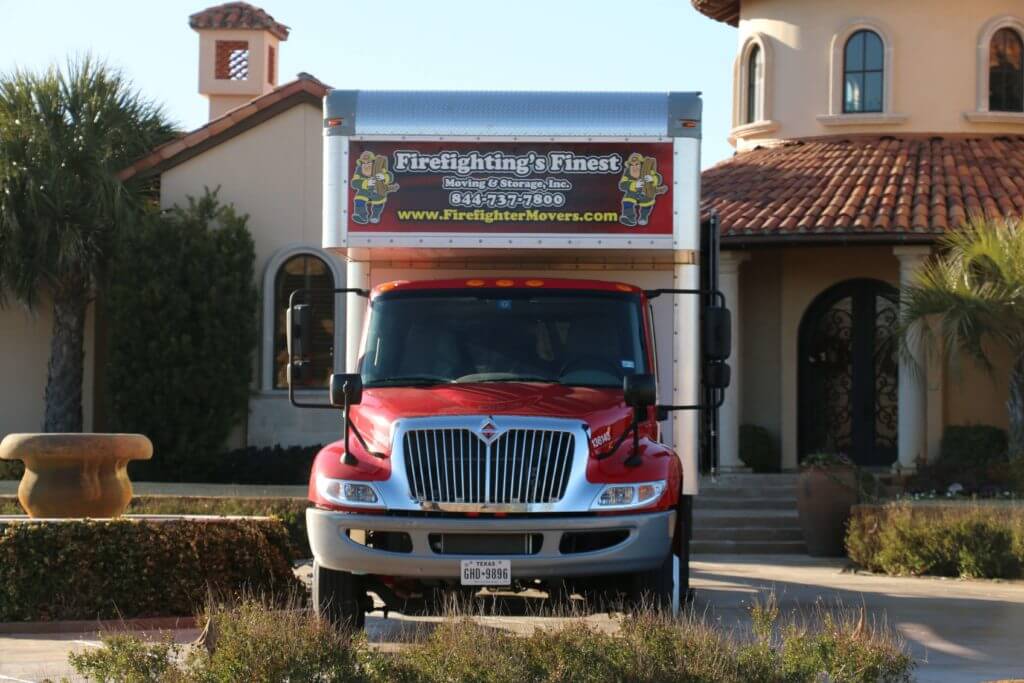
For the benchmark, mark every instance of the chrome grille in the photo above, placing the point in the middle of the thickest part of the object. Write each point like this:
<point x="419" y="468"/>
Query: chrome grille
<point x="457" y="466"/>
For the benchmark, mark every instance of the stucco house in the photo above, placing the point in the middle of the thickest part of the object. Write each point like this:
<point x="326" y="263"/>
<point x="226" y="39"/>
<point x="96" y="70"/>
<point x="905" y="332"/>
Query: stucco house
<point x="863" y="131"/>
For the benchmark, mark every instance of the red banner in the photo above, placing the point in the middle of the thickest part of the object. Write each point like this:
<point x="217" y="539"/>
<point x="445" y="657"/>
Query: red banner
<point x="510" y="187"/>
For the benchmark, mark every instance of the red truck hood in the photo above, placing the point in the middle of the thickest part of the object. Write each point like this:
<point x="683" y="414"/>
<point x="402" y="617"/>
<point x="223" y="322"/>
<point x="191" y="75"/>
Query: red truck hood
<point x="600" y="408"/>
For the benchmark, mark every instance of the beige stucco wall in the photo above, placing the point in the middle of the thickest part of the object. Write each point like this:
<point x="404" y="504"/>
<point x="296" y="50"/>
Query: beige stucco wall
<point x="23" y="362"/>
<point x="933" y="52"/>
<point x="761" y="303"/>
<point x="273" y="173"/>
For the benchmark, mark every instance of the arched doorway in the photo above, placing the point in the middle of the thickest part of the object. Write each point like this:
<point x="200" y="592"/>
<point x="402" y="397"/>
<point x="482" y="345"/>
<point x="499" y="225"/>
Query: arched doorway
<point x="848" y="369"/>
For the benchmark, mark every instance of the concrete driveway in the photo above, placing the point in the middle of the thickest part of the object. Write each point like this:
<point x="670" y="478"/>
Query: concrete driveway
<point x="958" y="630"/>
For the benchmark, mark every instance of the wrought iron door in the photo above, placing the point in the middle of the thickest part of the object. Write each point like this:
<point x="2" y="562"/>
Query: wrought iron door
<point x="848" y="373"/>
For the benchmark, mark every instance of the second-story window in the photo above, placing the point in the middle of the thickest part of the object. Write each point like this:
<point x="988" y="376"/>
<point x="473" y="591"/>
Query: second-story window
<point x="863" y="73"/>
<point x="1006" y="71"/>
<point x="754" y="68"/>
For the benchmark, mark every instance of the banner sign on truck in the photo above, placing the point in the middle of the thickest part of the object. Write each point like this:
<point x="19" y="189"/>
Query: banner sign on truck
<point x="510" y="187"/>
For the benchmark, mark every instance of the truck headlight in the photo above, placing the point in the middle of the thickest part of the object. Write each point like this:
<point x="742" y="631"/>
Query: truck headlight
<point x="626" y="496"/>
<point x="351" y="493"/>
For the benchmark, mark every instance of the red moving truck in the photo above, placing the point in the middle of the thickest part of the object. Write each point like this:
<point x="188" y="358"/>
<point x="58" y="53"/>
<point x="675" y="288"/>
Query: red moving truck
<point x="500" y="425"/>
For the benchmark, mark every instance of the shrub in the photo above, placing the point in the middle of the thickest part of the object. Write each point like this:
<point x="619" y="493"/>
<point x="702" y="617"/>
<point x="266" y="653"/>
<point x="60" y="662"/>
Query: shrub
<point x="290" y="511"/>
<point x="182" y="332"/>
<point x="759" y="450"/>
<point x="972" y="445"/>
<point x="250" y="643"/>
<point x="275" y="465"/>
<point x="101" y="569"/>
<point x="11" y="469"/>
<point x="966" y="540"/>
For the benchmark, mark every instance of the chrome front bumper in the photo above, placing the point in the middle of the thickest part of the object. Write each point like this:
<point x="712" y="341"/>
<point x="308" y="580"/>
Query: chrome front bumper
<point x="647" y="543"/>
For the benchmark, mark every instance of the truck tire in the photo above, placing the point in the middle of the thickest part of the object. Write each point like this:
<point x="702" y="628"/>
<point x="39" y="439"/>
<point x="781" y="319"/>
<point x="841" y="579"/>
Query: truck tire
<point x="339" y="598"/>
<point x="656" y="587"/>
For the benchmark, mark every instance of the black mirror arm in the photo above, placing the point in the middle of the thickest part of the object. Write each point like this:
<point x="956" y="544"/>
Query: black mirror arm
<point x="715" y="293"/>
<point x="697" y="406"/>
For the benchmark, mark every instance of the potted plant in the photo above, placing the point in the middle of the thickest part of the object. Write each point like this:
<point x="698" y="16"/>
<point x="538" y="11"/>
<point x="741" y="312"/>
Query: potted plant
<point x="826" y="490"/>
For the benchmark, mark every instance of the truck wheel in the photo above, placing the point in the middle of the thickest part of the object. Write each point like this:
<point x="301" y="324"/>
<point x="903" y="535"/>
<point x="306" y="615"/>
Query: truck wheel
<point x="339" y="597"/>
<point x="656" y="587"/>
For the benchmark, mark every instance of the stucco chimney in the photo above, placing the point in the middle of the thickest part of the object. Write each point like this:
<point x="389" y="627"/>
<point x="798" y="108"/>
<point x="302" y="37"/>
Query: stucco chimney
<point x="238" y="53"/>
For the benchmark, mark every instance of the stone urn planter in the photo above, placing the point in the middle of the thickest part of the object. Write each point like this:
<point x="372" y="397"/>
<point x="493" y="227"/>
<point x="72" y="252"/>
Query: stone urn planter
<point x="75" y="475"/>
<point x="826" y="491"/>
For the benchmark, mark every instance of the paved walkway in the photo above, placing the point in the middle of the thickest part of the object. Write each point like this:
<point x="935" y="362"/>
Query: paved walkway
<point x="958" y="630"/>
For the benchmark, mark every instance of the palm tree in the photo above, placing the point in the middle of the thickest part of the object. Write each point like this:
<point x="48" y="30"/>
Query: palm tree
<point x="64" y="135"/>
<point x="969" y="301"/>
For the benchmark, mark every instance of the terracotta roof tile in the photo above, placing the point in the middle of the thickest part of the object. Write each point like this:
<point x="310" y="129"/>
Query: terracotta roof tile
<point x="727" y="11"/>
<point x="237" y="15"/>
<point x="880" y="185"/>
<point x="304" y="88"/>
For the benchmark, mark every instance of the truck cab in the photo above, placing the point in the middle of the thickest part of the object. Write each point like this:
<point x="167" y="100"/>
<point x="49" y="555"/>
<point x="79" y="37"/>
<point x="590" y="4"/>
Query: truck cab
<point x="496" y="447"/>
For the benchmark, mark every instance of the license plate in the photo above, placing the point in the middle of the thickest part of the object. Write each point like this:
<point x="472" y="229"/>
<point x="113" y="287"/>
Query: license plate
<point x="486" y="572"/>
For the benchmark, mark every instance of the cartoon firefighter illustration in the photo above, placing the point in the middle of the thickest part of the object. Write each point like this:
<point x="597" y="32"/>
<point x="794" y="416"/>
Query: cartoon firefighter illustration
<point x="640" y="186"/>
<point x="372" y="183"/>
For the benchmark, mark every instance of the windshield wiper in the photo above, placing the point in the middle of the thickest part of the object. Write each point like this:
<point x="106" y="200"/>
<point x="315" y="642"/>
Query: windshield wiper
<point x="411" y="381"/>
<point x="483" y="379"/>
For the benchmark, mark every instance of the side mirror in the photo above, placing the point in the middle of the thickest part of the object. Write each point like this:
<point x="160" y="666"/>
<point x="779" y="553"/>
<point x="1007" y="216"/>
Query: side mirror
<point x="640" y="390"/>
<point x="346" y="390"/>
<point x="717" y="375"/>
<point x="717" y="333"/>
<point x="300" y="331"/>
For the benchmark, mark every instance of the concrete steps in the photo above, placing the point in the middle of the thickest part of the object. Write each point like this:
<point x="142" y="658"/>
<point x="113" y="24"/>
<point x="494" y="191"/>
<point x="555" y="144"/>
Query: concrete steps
<point x="747" y="514"/>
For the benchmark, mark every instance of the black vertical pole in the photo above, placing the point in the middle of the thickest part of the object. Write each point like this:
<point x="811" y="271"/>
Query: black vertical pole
<point x="713" y="286"/>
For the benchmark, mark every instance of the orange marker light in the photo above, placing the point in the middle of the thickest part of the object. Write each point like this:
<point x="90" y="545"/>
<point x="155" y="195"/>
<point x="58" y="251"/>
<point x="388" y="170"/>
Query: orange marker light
<point x="387" y="286"/>
<point x="474" y="283"/>
<point x="623" y="288"/>
<point x="534" y="283"/>
<point x="504" y="283"/>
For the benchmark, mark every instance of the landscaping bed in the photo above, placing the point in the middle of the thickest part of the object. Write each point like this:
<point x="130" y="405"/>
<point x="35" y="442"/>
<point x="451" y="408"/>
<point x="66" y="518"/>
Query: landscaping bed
<point x="248" y="642"/>
<point x="290" y="511"/>
<point x="968" y="539"/>
<point x="141" y="567"/>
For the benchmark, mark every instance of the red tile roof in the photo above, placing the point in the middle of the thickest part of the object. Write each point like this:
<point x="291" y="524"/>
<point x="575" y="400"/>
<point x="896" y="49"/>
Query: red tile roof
<point x="237" y="15"/>
<point x="879" y="187"/>
<point x="727" y="11"/>
<point x="305" y="88"/>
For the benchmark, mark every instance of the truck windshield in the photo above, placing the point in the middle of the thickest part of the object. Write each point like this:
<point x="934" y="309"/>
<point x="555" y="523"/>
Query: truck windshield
<point x="578" y="338"/>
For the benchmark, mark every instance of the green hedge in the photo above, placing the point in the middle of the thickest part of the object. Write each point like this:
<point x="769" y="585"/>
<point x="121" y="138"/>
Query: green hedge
<point x="105" y="569"/>
<point x="970" y="540"/>
<point x="759" y="449"/>
<point x="290" y="511"/>
<point x="183" y="313"/>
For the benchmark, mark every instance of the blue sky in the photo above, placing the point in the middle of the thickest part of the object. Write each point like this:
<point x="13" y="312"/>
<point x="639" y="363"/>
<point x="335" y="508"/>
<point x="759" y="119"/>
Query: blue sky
<point x="445" y="44"/>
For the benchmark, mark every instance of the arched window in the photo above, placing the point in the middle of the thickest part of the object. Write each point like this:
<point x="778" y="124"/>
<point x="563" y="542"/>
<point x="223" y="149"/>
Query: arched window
<point x="863" y="73"/>
<point x="754" y="84"/>
<point x="305" y="271"/>
<point x="1006" y="71"/>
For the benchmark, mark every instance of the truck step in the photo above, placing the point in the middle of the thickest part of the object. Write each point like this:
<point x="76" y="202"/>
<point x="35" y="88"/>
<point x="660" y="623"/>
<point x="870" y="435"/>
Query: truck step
<point x="748" y="547"/>
<point x="747" y="533"/>
<point x="731" y="519"/>
<point x="738" y="503"/>
<point x="738" y="492"/>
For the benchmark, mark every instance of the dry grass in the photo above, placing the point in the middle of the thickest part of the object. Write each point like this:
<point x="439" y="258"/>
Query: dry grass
<point x="247" y="641"/>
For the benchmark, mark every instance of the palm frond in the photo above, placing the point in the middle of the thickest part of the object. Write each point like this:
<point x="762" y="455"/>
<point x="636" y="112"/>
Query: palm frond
<point x="969" y="297"/>
<point x="64" y="135"/>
